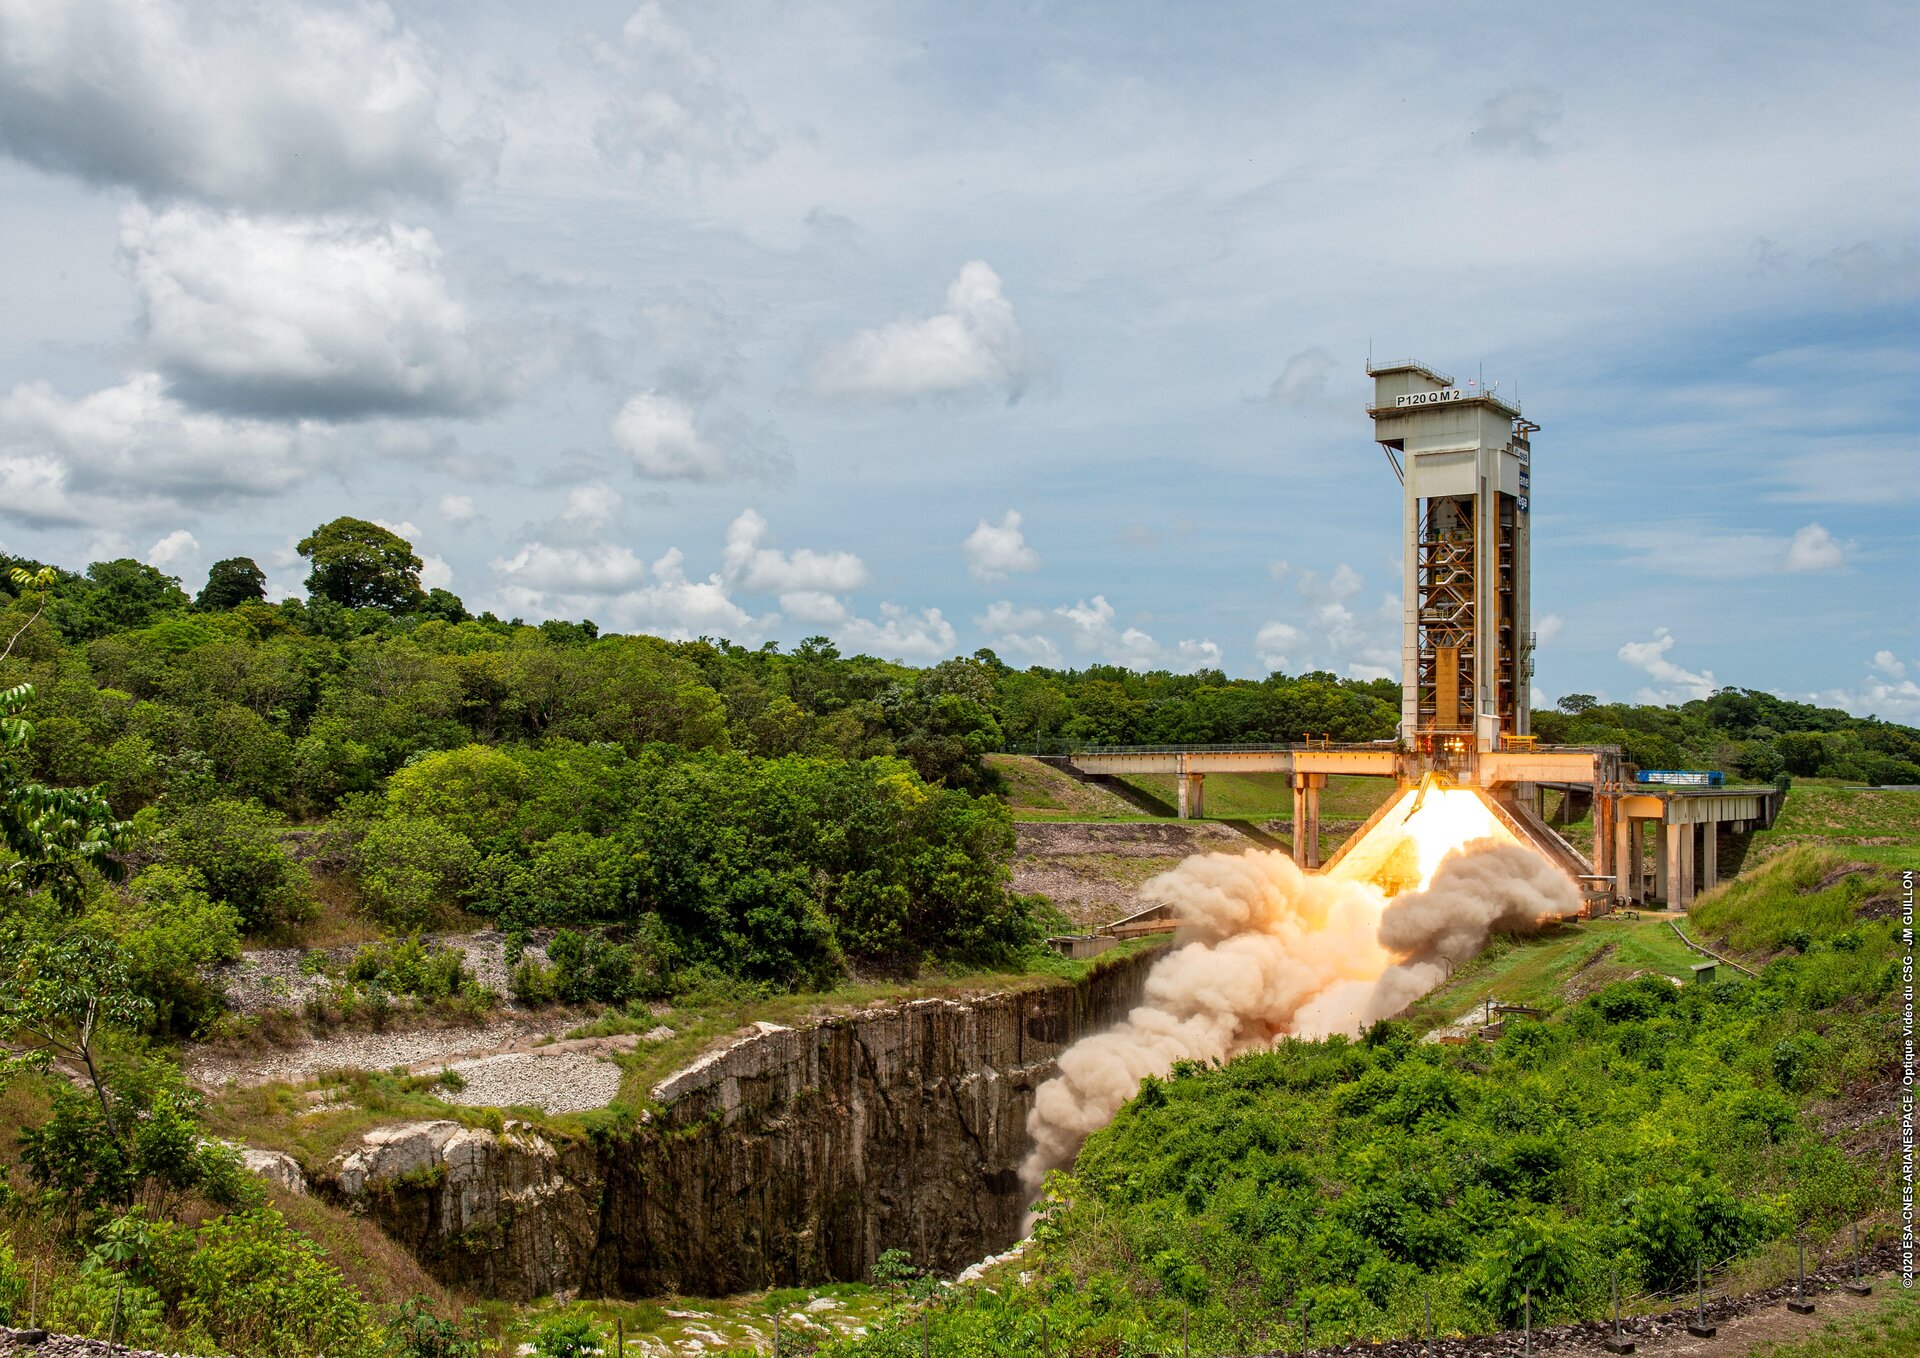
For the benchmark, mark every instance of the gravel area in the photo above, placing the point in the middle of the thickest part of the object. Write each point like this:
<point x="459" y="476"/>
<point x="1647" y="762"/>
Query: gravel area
<point x="420" y="1048"/>
<point x="566" y="1079"/>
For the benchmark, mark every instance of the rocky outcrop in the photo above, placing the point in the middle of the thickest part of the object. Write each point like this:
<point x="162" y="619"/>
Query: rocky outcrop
<point x="792" y="1155"/>
<point x="508" y="1212"/>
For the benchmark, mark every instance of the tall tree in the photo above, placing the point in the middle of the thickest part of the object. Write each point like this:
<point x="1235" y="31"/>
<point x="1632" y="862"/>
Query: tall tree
<point x="231" y="583"/>
<point x="362" y="565"/>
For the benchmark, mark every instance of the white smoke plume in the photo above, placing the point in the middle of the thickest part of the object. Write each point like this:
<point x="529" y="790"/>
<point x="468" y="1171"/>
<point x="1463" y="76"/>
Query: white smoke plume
<point x="1265" y="950"/>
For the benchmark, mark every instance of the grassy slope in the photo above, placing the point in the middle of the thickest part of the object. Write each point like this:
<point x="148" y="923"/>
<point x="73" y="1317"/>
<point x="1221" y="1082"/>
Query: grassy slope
<point x="1881" y="825"/>
<point x="1891" y="1331"/>
<point x="1040" y="792"/>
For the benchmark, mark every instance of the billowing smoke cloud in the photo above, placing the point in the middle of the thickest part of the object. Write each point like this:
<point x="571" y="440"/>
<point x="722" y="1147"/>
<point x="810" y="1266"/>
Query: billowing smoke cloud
<point x="1266" y="950"/>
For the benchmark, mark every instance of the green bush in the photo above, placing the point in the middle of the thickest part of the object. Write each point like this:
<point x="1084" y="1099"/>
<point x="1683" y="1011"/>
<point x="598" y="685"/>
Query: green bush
<point x="237" y="849"/>
<point x="569" y="1335"/>
<point x="413" y="869"/>
<point x="254" y="1286"/>
<point x="170" y="930"/>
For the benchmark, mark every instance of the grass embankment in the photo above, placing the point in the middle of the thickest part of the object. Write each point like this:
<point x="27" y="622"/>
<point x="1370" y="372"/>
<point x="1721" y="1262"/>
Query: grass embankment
<point x="1879" y="825"/>
<point x="1639" y="1127"/>
<point x="1039" y="792"/>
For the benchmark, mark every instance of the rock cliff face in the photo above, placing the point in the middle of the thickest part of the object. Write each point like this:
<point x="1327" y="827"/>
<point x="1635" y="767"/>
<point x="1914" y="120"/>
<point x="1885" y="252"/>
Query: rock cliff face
<point x="795" y="1155"/>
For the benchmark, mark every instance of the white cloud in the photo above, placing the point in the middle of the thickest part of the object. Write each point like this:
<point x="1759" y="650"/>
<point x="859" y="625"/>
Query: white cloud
<point x="1548" y="626"/>
<point x="675" y="105"/>
<point x="679" y="608"/>
<point x="1517" y="119"/>
<point x="590" y="506"/>
<point x="1274" y="642"/>
<point x="1885" y="691"/>
<point x="1093" y="633"/>
<point x="133" y="450"/>
<point x="1015" y="634"/>
<point x="1813" y="549"/>
<point x="974" y="344"/>
<point x="1676" y="684"/>
<point x="1303" y="379"/>
<point x="603" y="569"/>
<point x="751" y="565"/>
<point x="665" y="441"/>
<point x="303" y="316"/>
<point x="276" y="104"/>
<point x="456" y="508"/>
<point x="995" y="551"/>
<point x="435" y="573"/>
<point x="809" y="605"/>
<point x="405" y="528"/>
<point x="900" y="634"/>
<point x="175" y="548"/>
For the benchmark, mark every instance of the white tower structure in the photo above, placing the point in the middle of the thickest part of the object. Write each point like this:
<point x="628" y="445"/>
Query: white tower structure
<point x="1464" y="462"/>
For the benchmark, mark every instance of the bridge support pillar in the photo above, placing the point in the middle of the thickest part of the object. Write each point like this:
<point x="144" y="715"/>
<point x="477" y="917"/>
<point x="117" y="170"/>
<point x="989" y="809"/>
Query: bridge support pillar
<point x="1603" y="837"/>
<point x="1675" y="868"/>
<point x="1306" y="818"/>
<point x="1192" y="790"/>
<point x="1709" y="855"/>
<point x="1629" y="864"/>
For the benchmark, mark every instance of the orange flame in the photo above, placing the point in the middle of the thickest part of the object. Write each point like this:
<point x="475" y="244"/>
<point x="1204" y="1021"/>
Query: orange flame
<point x="1402" y="852"/>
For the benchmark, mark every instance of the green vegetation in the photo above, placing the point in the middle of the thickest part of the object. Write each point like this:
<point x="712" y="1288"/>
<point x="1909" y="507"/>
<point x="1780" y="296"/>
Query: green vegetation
<point x="718" y="834"/>
<point x="1640" y="1127"/>
<point x="1890" y="1330"/>
<point x="1747" y="734"/>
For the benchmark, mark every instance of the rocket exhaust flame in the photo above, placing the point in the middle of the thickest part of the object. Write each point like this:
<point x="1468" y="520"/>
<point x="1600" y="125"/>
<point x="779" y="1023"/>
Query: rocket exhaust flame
<point x="1265" y="950"/>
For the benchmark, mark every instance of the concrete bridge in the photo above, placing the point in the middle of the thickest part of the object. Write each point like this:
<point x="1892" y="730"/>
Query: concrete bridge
<point x="1691" y="821"/>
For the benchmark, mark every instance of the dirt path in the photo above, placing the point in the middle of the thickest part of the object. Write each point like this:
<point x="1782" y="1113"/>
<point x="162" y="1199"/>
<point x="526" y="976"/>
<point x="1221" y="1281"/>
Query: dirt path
<point x="1737" y="1336"/>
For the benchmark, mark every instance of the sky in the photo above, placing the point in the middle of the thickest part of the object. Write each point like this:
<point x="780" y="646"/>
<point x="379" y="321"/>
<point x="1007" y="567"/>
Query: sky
<point x="928" y="327"/>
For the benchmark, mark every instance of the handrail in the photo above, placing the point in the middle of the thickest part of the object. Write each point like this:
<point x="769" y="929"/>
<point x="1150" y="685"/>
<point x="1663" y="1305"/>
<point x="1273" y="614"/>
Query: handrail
<point x="1709" y="952"/>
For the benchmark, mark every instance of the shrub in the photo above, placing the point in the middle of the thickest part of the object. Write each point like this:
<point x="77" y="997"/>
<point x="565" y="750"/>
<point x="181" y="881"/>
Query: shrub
<point x="169" y="930"/>
<point x="412" y="868"/>
<point x="569" y="1335"/>
<point x="257" y="1287"/>
<point x="236" y="848"/>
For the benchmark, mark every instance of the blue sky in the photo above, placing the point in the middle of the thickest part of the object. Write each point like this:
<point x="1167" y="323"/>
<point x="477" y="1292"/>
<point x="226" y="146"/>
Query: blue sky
<point x="1034" y="326"/>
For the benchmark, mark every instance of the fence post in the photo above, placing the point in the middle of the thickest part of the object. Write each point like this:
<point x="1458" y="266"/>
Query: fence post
<point x="1619" y="1343"/>
<point x="1698" y="1327"/>
<point x="1859" y="1286"/>
<point x="1799" y="1305"/>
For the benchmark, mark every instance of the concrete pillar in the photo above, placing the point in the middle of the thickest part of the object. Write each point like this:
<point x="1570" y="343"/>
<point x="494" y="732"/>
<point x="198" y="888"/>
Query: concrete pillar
<point x="1709" y="855"/>
<point x="1306" y="818"/>
<point x="1638" y="845"/>
<point x="1675" y="867"/>
<point x="1603" y="836"/>
<point x="1193" y="795"/>
<point x="1626" y="858"/>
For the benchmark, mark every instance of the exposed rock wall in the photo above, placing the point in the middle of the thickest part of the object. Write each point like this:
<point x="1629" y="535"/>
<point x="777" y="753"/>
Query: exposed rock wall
<point x="794" y="1155"/>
